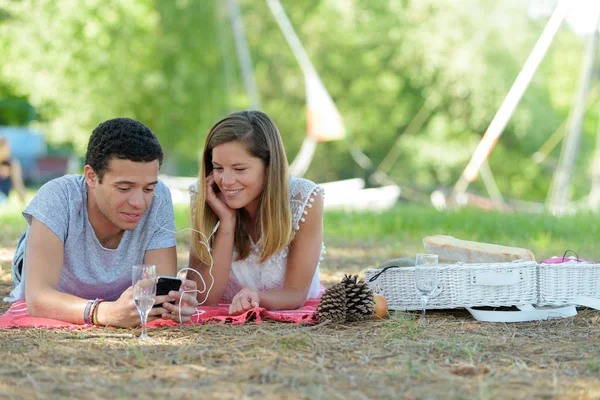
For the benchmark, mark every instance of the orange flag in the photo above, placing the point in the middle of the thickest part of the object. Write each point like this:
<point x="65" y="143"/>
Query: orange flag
<point x="323" y="120"/>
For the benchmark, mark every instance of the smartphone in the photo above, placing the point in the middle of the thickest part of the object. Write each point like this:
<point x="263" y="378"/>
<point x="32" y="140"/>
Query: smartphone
<point x="165" y="284"/>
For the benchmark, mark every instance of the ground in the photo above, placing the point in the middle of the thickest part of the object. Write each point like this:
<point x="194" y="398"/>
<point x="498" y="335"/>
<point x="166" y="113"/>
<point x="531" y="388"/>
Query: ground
<point x="451" y="357"/>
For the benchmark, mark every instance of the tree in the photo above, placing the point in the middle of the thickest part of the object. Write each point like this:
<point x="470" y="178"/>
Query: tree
<point x="171" y="64"/>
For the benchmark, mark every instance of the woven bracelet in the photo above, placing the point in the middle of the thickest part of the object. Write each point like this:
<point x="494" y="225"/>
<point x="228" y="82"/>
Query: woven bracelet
<point x="86" y="312"/>
<point x="94" y="317"/>
<point x="91" y="311"/>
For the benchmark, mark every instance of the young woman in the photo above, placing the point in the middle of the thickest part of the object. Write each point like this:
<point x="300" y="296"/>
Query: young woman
<point x="268" y="244"/>
<point x="10" y="174"/>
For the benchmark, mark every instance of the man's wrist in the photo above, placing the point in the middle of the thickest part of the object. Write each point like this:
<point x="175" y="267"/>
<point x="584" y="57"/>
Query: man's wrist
<point x="103" y="313"/>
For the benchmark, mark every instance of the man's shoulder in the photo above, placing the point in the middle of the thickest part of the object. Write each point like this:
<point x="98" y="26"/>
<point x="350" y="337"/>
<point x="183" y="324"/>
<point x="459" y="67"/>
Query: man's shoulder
<point x="66" y="181"/>
<point x="69" y="185"/>
<point x="162" y="199"/>
<point x="58" y="204"/>
<point x="163" y="192"/>
<point x="162" y="188"/>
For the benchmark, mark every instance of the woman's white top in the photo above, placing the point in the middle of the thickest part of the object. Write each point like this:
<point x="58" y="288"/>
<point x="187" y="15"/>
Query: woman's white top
<point x="253" y="274"/>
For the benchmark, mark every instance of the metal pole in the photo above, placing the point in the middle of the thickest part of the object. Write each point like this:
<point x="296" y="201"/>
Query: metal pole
<point x="559" y="189"/>
<point x="491" y="136"/>
<point x="430" y="103"/>
<point x="594" y="198"/>
<point x="221" y="14"/>
<point x="244" y="54"/>
<point x="290" y="36"/>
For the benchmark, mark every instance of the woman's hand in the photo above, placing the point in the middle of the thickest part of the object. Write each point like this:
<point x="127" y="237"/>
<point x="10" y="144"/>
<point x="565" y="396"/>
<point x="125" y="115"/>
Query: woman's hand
<point x="216" y="201"/>
<point x="245" y="300"/>
<point x="123" y="312"/>
<point x="185" y="300"/>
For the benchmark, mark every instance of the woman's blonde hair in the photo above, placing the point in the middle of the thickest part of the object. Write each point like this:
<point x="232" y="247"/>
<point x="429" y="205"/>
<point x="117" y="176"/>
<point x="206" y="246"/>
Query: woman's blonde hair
<point x="258" y="133"/>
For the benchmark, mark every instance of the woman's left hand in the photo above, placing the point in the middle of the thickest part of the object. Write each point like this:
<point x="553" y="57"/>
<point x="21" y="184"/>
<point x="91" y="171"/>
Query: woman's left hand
<point x="245" y="300"/>
<point x="186" y="302"/>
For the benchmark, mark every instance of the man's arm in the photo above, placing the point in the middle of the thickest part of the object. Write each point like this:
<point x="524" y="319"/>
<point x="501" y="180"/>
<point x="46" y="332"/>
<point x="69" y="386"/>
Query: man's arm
<point x="164" y="259"/>
<point x="44" y="262"/>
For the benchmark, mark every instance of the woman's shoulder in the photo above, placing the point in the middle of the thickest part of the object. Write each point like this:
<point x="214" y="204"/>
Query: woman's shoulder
<point x="303" y="188"/>
<point x="193" y="188"/>
<point x="303" y="194"/>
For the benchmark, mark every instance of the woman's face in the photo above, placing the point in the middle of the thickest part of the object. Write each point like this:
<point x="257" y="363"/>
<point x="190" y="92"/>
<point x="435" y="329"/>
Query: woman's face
<point x="239" y="176"/>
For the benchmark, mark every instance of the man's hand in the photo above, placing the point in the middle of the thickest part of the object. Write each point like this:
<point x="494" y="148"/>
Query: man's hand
<point x="123" y="313"/>
<point x="185" y="300"/>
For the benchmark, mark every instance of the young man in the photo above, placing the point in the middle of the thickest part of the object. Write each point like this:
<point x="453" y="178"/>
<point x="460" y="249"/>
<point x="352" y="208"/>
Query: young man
<point x="87" y="231"/>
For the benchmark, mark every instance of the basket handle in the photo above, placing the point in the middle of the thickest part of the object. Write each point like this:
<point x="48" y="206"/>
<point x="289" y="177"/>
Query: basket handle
<point x="566" y="252"/>
<point x="374" y="277"/>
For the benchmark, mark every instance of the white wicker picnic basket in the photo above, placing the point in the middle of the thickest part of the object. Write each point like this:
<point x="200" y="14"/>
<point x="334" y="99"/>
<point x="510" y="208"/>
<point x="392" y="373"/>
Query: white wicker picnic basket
<point x="461" y="285"/>
<point x="568" y="282"/>
<point x="539" y="291"/>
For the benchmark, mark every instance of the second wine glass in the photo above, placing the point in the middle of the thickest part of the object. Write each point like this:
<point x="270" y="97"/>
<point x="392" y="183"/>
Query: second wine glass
<point x="426" y="278"/>
<point x="143" y="280"/>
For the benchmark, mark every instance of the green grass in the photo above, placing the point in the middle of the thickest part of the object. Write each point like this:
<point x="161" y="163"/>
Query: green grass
<point x="403" y="228"/>
<point x="451" y="357"/>
<point x="407" y="224"/>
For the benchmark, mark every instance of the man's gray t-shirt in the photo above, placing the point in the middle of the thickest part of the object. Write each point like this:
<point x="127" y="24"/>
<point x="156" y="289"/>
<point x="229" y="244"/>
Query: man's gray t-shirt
<point x="89" y="270"/>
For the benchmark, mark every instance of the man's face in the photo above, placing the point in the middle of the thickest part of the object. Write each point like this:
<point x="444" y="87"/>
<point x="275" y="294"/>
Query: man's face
<point x="125" y="193"/>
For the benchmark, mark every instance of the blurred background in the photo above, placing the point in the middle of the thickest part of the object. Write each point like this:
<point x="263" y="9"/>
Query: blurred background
<point x="408" y="88"/>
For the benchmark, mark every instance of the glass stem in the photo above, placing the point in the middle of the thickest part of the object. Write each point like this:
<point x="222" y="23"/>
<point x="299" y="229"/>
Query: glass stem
<point x="424" y="305"/>
<point x="144" y="319"/>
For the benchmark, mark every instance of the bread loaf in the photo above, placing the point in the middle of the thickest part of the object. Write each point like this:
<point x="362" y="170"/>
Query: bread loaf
<point x="450" y="249"/>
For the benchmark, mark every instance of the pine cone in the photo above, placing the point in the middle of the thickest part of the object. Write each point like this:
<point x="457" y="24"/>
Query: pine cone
<point x="360" y="304"/>
<point x="332" y="305"/>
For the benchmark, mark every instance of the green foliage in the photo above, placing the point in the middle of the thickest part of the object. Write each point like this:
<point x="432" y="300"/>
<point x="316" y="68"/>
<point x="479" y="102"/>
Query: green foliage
<point x="82" y="63"/>
<point x="173" y="65"/>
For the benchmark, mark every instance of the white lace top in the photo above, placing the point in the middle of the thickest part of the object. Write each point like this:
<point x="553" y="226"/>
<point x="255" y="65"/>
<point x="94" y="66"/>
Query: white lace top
<point x="271" y="274"/>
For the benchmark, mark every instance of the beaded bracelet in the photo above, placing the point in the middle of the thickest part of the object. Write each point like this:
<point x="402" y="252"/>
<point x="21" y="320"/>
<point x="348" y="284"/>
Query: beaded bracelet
<point x="91" y="310"/>
<point x="86" y="312"/>
<point x="95" y="312"/>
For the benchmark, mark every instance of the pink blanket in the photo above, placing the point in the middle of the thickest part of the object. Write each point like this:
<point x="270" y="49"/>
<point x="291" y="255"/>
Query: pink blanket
<point x="18" y="317"/>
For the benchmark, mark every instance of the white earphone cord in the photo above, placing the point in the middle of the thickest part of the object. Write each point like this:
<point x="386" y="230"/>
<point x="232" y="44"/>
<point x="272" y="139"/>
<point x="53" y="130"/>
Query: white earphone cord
<point x="206" y="244"/>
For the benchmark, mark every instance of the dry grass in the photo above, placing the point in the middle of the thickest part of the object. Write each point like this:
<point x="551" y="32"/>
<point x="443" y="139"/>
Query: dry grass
<point x="452" y="357"/>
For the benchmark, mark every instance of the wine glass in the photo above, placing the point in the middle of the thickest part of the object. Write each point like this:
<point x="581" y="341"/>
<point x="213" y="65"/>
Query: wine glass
<point x="426" y="278"/>
<point x="143" y="280"/>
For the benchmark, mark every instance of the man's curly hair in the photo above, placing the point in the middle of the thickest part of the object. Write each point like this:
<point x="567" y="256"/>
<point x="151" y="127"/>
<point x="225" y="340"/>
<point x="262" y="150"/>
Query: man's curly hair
<point x="124" y="139"/>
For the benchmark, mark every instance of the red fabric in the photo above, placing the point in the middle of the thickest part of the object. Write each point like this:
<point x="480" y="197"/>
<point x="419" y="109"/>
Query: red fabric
<point x="18" y="317"/>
